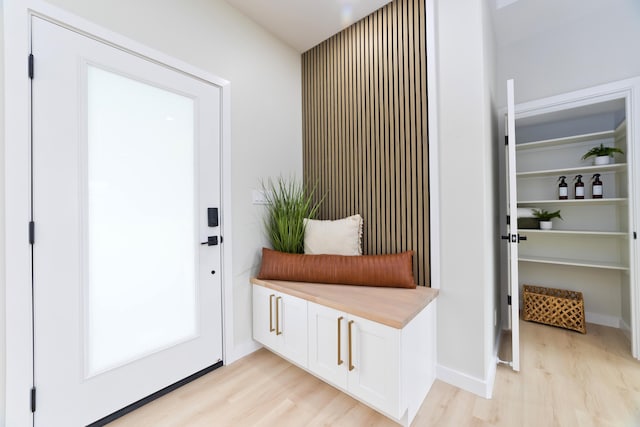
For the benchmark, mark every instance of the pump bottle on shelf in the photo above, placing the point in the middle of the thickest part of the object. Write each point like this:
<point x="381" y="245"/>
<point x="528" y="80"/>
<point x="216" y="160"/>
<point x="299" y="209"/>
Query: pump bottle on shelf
<point x="596" y="187"/>
<point x="563" y="189"/>
<point x="579" y="187"/>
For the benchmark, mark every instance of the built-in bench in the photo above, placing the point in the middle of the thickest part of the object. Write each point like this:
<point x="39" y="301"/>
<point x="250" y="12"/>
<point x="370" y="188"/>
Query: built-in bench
<point x="376" y="344"/>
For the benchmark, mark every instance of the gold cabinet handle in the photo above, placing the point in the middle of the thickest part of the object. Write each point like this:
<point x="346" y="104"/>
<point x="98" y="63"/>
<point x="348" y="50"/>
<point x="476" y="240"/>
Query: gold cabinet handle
<point x="278" y="331"/>
<point x="340" y="361"/>
<point x="351" y="367"/>
<point x="271" y="328"/>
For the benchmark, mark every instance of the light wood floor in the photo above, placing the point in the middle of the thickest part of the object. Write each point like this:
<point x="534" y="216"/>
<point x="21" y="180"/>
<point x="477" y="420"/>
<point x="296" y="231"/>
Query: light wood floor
<point x="567" y="379"/>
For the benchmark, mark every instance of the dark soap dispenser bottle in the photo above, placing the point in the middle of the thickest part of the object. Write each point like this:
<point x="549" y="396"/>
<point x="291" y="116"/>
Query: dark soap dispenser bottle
<point x="579" y="187"/>
<point x="563" y="189"/>
<point x="596" y="187"/>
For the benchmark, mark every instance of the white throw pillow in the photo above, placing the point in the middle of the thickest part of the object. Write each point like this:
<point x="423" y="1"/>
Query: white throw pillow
<point x="339" y="237"/>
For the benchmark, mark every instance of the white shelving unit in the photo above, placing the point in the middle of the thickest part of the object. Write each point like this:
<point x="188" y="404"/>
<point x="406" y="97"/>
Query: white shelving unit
<point x="575" y="202"/>
<point x="573" y="171"/>
<point x="573" y="263"/>
<point x="594" y="231"/>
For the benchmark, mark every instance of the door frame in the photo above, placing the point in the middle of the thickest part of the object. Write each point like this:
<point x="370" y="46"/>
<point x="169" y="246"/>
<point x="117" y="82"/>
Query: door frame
<point x="18" y="302"/>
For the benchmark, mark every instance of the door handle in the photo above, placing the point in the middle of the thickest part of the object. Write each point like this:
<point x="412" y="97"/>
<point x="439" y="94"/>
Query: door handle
<point x="278" y="330"/>
<point x="340" y="361"/>
<point x="212" y="241"/>
<point x="271" y="329"/>
<point x="514" y="238"/>
<point x="351" y="367"/>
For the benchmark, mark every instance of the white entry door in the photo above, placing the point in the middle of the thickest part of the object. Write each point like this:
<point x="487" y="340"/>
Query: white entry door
<point x="512" y="228"/>
<point x="126" y="163"/>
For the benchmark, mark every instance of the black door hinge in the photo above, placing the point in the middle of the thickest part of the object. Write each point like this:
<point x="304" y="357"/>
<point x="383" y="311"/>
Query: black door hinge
<point x="31" y="66"/>
<point x="32" y="232"/>
<point x="635" y="235"/>
<point x="33" y="399"/>
<point x="508" y="219"/>
<point x="509" y="299"/>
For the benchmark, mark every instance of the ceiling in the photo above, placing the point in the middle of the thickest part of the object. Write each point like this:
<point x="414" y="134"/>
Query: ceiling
<point x="304" y="24"/>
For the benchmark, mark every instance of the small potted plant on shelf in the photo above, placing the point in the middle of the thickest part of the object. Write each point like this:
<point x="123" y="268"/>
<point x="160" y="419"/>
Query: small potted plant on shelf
<point x="545" y="217"/>
<point x="602" y="154"/>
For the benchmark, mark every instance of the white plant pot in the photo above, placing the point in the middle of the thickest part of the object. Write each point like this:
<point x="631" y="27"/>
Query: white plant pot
<point x="546" y="225"/>
<point x="601" y="160"/>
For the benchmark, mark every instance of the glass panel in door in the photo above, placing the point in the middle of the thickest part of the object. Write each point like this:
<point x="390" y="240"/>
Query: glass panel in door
<point x="141" y="221"/>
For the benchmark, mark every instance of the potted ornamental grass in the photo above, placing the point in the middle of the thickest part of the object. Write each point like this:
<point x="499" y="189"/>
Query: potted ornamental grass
<point x="288" y="204"/>
<point x="602" y="155"/>
<point x="545" y="217"/>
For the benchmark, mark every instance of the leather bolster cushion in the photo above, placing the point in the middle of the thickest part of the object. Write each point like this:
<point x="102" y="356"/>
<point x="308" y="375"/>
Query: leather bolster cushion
<point x="393" y="270"/>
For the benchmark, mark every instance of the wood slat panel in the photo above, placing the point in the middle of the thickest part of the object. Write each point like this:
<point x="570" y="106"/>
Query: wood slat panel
<point x="365" y="129"/>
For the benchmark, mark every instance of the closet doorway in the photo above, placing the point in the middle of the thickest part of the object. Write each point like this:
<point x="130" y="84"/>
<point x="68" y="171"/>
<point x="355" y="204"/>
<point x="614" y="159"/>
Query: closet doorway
<point x="593" y="249"/>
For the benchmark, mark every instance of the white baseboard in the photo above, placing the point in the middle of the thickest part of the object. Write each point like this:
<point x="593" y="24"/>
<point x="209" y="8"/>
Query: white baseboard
<point x="626" y="329"/>
<point x="465" y="382"/>
<point x="492" y="367"/>
<point x="241" y="350"/>
<point x="603" y="319"/>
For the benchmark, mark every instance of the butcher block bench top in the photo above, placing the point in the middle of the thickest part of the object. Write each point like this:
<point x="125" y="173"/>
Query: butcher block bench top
<point x="394" y="307"/>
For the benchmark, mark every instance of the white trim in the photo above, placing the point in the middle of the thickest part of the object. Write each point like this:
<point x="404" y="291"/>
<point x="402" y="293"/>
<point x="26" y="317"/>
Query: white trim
<point x="434" y="140"/>
<point x="466" y="382"/>
<point x="17" y="16"/>
<point x="605" y="92"/>
<point x="17" y="209"/>
<point x="228" y="350"/>
<point x="492" y="367"/>
<point x="626" y="329"/>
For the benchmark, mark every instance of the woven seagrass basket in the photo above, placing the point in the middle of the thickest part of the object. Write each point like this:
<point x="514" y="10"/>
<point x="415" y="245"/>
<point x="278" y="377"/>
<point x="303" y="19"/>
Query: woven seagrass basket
<point x="555" y="307"/>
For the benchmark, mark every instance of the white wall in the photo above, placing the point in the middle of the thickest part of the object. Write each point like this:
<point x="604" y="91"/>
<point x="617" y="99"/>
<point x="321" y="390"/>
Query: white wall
<point x="2" y="228"/>
<point x="467" y="194"/>
<point x="492" y="229"/>
<point x="266" y="122"/>
<point x="597" y="43"/>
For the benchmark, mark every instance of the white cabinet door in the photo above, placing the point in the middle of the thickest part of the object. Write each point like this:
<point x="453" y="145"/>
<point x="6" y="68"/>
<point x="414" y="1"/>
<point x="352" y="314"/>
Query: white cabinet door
<point x="357" y="355"/>
<point x="280" y="323"/>
<point x="373" y="364"/>
<point x="328" y="344"/>
<point x="291" y="328"/>
<point x="264" y="329"/>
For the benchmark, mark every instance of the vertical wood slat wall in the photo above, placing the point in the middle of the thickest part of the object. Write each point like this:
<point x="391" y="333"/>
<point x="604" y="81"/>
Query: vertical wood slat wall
<point x="365" y="129"/>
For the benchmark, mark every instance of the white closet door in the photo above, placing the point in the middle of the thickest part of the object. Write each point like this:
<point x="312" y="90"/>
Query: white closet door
<point x="512" y="228"/>
<point x="125" y="165"/>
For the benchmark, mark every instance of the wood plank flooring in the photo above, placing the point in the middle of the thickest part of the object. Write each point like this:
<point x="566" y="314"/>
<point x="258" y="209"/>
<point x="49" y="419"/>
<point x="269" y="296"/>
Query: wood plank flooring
<point x="567" y="379"/>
